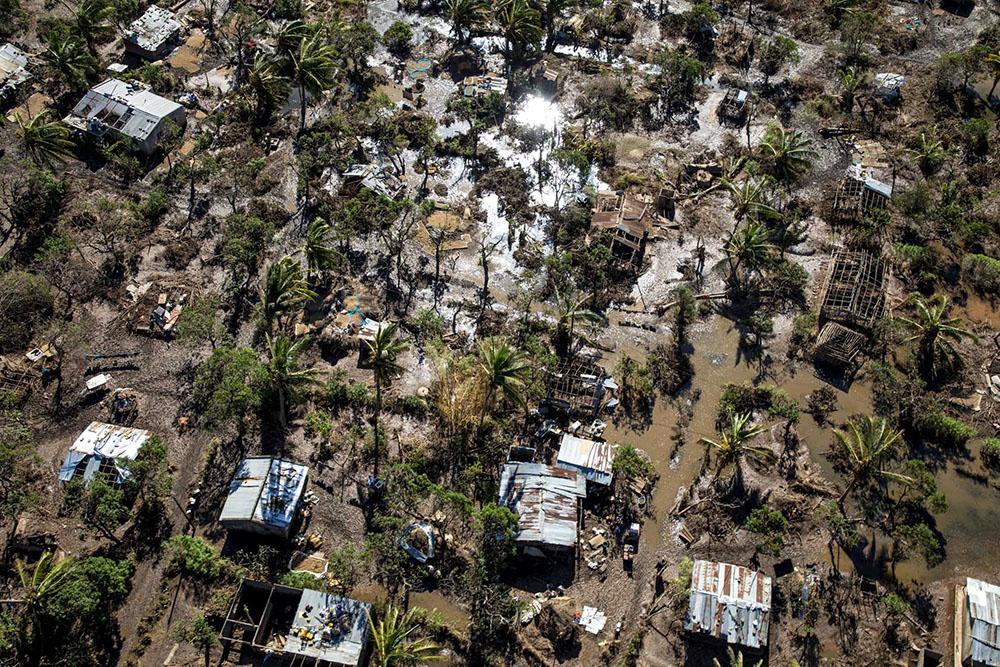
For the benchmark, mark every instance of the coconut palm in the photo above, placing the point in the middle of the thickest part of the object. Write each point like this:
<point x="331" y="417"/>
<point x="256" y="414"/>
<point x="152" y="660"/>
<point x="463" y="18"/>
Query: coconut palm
<point x="734" y="445"/>
<point x="935" y="334"/>
<point x="93" y="20"/>
<point x="865" y="447"/>
<point x="69" y="62"/>
<point x="45" y="140"/>
<point x="552" y="11"/>
<point x="314" y="69"/>
<point x="749" y="247"/>
<point x="288" y="35"/>
<point x="750" y="197"/>
<point x="570" y="309"/>
<point x="284" y="289"/>
<point x="39" y="585"/>
<point x="266" y="84"/>
<point x="465" y="17"/>
<point x="852" y="81"/>
<point x="520" y="24"/>
<point x="503" y="370"/>
<point x="394" y="646"/>
<point x="788" y="152"/>
<point x="320" y="256"/>
<point x="735" y="659"/>
<point x="930" y="152"/>
<point x="383" y="350"/>
<point x="285" y="377"/>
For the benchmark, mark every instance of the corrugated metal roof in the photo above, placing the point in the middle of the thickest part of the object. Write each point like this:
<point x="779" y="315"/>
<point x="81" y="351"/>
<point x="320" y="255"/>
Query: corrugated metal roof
<point x="265" y="490"/>
<point x="590" y="458"/>
<point x="984" y="621"/>
<point x="151" y="31"/>
<point x="13" y="68"/>
<point x="545" y="500"/>
<point x="99" y="442"/>
<point x="730" y="602"/>
<point x="342" y="644"/>
<point x="128" y="109"/>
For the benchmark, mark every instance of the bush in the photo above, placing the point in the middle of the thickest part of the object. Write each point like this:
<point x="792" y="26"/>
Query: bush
<point x="770" y="526"/>
<point x="193" y="557"/>
<point x="990" y="454"/>
<point x="631" y="464"/>
<point x="982" y="273"/>
<point x="302" y="580"/>
<point x="746" y="397"/>
<point x="25" y="301"/>
<point x="939" y="428"/>
<point x="397" y="39"/>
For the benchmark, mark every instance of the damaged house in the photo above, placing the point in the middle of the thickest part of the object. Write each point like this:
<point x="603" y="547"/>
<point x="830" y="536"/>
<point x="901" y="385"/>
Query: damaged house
<point x="578" y="387"/>
<point x="100" y="449"/>
<point x="977" y="624"/>
<point x="548" y="502"/>
<point x="13" y="70"/>
<point x="298" y="626"/>
<point x="480" y="86"/>
<point x="374" y="177"/>
<point x="852" y="300"/>
<point x="729" y="603"/>
<point x="734" y="106"/>
<point x="115" y="110"/>
<point x="265" y="495"/>
<point x="590" y="458"/>
<point x="627" y="220"/>
<point x="152" y="35"/>
<point x="858" y="195"/>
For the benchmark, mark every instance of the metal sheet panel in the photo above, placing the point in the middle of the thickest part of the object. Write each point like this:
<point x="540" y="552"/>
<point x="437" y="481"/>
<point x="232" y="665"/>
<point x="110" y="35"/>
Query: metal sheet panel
<point x="545" y="500"/>
<point x="590" y="458"/>
<point x="983" y="609"/>
<point x="729" y="602"/>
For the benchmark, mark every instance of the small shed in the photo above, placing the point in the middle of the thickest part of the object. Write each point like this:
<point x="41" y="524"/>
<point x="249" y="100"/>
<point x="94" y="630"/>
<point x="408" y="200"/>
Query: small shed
<point x="734" y="106"/>
<point x="264" y="496"/>
<point x="729" y="603"/>
<point x="300" y="625"/>
<point x="889" y="86"/>
<point x="857" y="195"/>
<point x="13" y="70"/>
<point x="854" y="290"/>
<point x="548" y="503"/>
<point x="478" y="86"/>
<point x="115" y="109"/>
<point x="837" y="345"/>
<point x="590" y="458"/>
<point x="99" y="449"/>
<point x="376" y="178"/>
<point x="980" y="625"/>
<point x="152" y="35"/>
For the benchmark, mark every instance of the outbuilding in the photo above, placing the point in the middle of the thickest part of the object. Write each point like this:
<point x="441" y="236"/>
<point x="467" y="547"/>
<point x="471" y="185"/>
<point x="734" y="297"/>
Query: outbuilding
<point x="115" y="110"/>
<point x="729" y="603"/>
<point x="264" y="496"/>
<point x="13" y="70"/>
<point x="548" y="504"/>
<point x="977" y="623"/>
<point x="100" y="449"/>
<point x="590" y="458"/>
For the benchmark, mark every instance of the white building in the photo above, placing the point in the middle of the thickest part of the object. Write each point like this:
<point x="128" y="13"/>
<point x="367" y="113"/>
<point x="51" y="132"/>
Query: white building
<point x="13" y="70"/>
<point x="151" y="36"/>
<point x="115" y="109"/>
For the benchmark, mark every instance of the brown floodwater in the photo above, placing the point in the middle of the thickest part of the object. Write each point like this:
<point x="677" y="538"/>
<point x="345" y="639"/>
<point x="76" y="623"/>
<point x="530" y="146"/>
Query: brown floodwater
<point x="970" y="525"/>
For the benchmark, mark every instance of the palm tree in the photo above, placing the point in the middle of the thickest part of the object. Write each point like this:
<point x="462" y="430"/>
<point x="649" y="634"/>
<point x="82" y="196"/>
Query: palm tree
<point x="284" y="374"/>
<point x="320" y="256"/>
<point x="992" y="61"/>
<point x="865" y="448"/>
<point x="852" y="80"/>
<point x="750" y="197"/>
<point x="284" y="289"/>
<point x="289" y="35"/>
<point x="570" y="309"/>
<point x="383" y="350"/>
<point x="466" y="16"/>
<point x="266" y="84"/>
<point x="314" y="69"/>
<point x="46" y="140"/>
<point x="735" y="659"/>
<point x="69" y="62"/>
<point x="504" y="370"/>
<point x="552" y="11"/>
<point x="734" y="445"/>
<point x="789" y="153"/>
<point x="930" y="153"/>
<point x="93" y="19"/>
<point x="520" y="24"/>
<point x="39" y="585"/>
<point x="393" y="645"/>
<point x="749" y="247"/>
<point x="935" y="334"/>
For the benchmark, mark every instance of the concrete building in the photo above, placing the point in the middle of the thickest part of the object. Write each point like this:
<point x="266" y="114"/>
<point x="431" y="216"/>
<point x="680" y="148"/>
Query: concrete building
<point x="100" y="449"/>
<point x="118" y="110"/>
<point x="264" y="496"/>
<point x="729" y="603"/>
<point x="153" y="34"/>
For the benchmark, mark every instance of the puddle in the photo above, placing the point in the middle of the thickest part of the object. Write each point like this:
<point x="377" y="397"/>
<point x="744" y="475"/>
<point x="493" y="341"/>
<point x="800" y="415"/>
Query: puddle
<point x="539" y="111"/>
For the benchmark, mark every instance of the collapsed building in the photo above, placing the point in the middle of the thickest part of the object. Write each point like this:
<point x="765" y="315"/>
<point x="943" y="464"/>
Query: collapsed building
<point x="376" y="178"/>
<point x="977" y="624"/>
<point x="13" y="70"/>
<point x="301" y="626"/>
<point x="152" y="35"/>
<point x="265" y="495"/>
<point x="480" y="86"/>
<point x="590" y="458"/>
<point x="115" y="110"/>
<point x="735" y="106"/>
<point x="626" y="220"/>
<point x="548" y="502"/>
<point x="99" y="450"/>
<point x="729" y="603"/>
<point x="852" y="301"/>
<point x="578" y="387"/>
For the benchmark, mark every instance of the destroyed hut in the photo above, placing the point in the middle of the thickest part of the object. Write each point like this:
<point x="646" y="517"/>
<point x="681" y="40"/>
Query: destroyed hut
<point x="734" y="106"/>
<point x="548" y="502"/>
<point x="99" y="450"/>
<point x="627" y="220"/>
<point x="13" y="70"/>
<point x="852" y="300"/>
<point x="577" y="388"/>
<point x="152" y="35"/>
<point x="264" y="496"/>
<point x="729" y="603"/>
<point x="857" y="196"/>
<point x="978" y="625"/>
<point x="115" y="110"/>
<point x="298" y="625"/>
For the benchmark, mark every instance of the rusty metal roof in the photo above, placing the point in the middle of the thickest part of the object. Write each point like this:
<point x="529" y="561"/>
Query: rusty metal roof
<point x="983" y="609"/>
<point x="546" y="501"/>
<point x="591" y="458"/>
<point x="729" y="602"/>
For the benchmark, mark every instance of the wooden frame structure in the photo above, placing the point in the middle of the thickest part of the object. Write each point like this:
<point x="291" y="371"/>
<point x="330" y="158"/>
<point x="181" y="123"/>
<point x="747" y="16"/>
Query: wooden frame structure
<point x="837" y="345"/>
<point x="734" y="106"/>
<point x="854" y="290"/>
<point x="855" y="198"/>
<point x="577" y="386"/>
